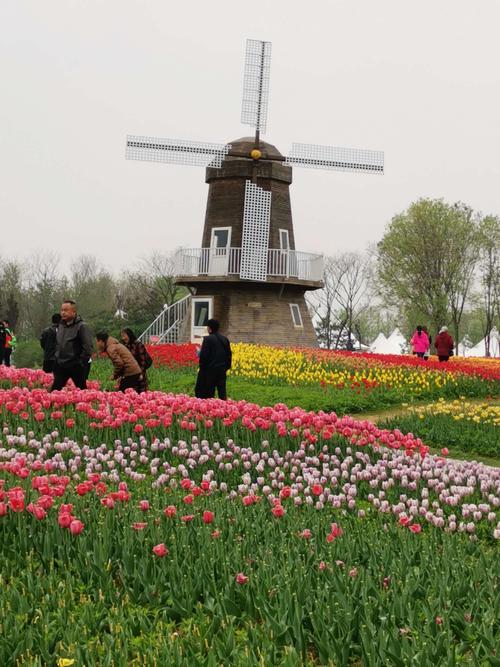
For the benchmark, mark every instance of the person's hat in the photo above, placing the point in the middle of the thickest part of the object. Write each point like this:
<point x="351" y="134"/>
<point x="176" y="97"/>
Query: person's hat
<point x="443" y="329"/>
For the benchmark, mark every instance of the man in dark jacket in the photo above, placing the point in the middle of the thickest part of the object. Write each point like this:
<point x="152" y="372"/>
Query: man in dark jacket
<point x="215" y="360"/>
<point x="73" y="348"/>
<point x="3" y="338"/>
<point x="48" y="341"/>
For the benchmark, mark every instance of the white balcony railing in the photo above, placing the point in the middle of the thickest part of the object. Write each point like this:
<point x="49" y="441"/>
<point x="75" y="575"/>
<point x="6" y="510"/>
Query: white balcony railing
<point x="227" y="262"/>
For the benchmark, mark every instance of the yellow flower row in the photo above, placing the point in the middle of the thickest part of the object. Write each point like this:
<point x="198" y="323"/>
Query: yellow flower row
<point x="459" y="410"/>
<point x="296" y="367"/>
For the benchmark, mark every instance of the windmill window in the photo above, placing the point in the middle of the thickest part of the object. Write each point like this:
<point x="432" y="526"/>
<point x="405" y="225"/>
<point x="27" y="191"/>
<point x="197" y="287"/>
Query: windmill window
<point x="296" y="316"/>
<point x="201" y="309"/>
<point x="284" y="239"/>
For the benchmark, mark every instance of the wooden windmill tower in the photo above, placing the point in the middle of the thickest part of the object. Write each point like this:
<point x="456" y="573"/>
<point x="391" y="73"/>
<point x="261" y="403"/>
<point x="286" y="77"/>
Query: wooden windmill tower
<point x="248" y="273"/>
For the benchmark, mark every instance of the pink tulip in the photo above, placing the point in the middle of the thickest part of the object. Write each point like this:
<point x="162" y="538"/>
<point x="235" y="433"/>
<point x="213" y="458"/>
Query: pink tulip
<point x="160" y="550"/>
<point x="241" y="578"/>
<point x="76" y="527"/>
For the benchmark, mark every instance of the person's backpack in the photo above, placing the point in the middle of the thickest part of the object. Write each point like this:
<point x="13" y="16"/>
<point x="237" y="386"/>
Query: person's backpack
<point x="148" y="361"/>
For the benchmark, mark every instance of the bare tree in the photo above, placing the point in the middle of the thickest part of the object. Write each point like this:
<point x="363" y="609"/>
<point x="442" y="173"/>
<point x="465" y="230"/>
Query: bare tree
<point x="43" y="292"/>
<point x="339" y="305"/>
<point x="150" y="286"/>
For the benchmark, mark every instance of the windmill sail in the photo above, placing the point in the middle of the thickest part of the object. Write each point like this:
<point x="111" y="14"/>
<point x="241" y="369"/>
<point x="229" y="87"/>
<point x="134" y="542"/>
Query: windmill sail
<point x="336" y="158"/>
<point x="256" y="84"/>
<point x="175" y="151"/>
<point x="255" y="241"/>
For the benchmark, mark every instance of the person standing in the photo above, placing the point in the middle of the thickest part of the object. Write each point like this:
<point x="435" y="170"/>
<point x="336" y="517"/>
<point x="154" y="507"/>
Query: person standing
<point x="126" y="369"/>
<point x="3" y="337"/>
<point x="48" y="342"/>
<point x="73" y="348"/>
<point x="427" y="353"/>
<point x="139" y="352"/>
<point x="444" y="344"/>
<point x="214" y="361"/>
<point x="420" y="342"/>
<point x="10" y="342"/>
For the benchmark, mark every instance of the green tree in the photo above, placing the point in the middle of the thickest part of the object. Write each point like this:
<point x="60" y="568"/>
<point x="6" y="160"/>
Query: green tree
<point x="489" y="275"/>
<point x="426" y="260"/>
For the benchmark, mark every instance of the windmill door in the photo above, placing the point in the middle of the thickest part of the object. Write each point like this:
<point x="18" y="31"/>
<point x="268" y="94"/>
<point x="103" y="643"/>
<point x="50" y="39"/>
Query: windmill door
<point x="220" y="244"/>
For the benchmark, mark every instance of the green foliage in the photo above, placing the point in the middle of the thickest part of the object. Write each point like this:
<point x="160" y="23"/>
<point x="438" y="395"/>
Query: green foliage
<point x="110" y="601"/>
<point x="426" y="259"/>
<point x="443" y="431"/>
<point x="310" y="397"/>
<point x="28" y="354"/>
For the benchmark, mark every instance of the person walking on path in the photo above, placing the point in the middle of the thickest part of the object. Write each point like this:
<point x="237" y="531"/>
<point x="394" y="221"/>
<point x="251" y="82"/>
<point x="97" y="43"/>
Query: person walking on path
<point x="48" y="342"/>
<point x="73" y="348"/>
<point x="420" y="342"/>
<point x="215" y="360"/>
<point x="126" y="369"/>
<point x="10" y="342"/>
<point x="444" y="344"/>
<point x="139" y="352"/>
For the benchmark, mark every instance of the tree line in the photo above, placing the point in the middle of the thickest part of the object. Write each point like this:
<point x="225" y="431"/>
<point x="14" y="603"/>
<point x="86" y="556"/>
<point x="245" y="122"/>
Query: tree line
<point x="436" y="264"/>
<point x="31" y="290"/>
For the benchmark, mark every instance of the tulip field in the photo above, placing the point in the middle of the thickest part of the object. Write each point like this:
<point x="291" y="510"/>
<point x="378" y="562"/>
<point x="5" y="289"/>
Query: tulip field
<point x="161" y="529"/>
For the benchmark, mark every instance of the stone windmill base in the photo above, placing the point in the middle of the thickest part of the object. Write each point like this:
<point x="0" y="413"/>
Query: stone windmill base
<point x="254" y="313"/>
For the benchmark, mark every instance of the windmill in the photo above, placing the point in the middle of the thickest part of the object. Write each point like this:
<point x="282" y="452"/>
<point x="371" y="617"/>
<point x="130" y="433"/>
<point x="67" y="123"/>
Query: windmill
<point x="247" y="272"/>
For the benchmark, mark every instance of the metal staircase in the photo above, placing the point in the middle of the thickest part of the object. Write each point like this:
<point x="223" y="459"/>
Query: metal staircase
<point x="166" y="327"/>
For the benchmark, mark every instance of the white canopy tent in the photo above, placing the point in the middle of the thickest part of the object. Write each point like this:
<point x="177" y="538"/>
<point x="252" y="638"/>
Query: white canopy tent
<point x="479" y="350"/>
<point x="395" y="344"/>
<point x="379" y="341"/>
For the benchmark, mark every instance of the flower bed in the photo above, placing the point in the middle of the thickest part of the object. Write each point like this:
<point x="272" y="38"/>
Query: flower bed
<point x="459" y="424"/>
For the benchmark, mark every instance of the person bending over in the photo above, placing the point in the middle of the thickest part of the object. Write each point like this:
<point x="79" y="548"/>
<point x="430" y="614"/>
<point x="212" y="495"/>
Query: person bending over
<point x="126" y="369"/>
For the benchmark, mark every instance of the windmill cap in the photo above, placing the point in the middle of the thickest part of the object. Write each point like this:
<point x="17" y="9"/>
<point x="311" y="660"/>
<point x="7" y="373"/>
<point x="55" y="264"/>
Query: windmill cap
<point x="247" y="144"/>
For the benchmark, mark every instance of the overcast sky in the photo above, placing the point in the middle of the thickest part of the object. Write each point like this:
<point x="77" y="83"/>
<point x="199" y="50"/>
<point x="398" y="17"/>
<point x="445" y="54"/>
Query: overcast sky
<point x="418" y="80"/>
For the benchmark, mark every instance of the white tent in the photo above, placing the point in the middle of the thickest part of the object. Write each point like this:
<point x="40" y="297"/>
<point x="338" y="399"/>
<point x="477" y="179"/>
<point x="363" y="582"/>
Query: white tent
<point x="379" y="341"/>
<point x="479" y="350"/>
<point x="395" y="344"/>
<point x="465" y="346"/>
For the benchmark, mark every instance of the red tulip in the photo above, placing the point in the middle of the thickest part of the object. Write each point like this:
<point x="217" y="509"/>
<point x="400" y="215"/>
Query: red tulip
<point x="415" y="528"/>
<point x="144" y="505"/>
<point x="208" y="517"/>
<point x="336" y="530"/>
<point x="278" y="511"/>
<point x="241" y="578"/>
<point x="170" y="511"/>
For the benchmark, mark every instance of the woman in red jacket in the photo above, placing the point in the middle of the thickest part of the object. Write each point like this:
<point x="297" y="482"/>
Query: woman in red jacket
<point x="444" y="344"/>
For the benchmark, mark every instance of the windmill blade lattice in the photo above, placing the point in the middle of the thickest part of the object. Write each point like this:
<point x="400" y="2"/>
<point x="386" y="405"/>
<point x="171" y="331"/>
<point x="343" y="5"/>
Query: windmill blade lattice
<point x="255" y="238"/>
<point x="175" y="151"/>
<point x="256" y="84"/>
<point x="336" y="158"/>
